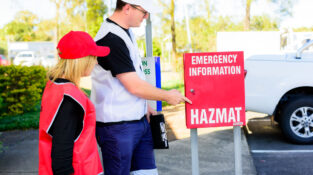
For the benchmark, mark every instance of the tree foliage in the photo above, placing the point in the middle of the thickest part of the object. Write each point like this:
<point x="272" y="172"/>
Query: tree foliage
<point x="303" y="29"/>
<point x="88" y="16"/>
<point x="284" y="9"/>
<point x="169" y="25"/>
<point x="263" y="23"/>
<point x="94" y="17"/>
<point x="22" y="27"/>
<point x="20" y="88"/>
<point x="285" y="6"/>
<point x="69" y="16"/>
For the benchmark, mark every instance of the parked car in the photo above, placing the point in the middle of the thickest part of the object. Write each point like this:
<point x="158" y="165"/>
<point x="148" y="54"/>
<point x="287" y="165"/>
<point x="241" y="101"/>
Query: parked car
<point x="48" y="61"/>
<point x="282" y="85"/>
<point x="25" y="58"/>
<point x="4" y="61"/>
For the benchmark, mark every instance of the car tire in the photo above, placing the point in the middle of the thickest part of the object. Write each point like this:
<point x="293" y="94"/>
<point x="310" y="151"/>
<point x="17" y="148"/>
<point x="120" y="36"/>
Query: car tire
<point x="297" y="119"/>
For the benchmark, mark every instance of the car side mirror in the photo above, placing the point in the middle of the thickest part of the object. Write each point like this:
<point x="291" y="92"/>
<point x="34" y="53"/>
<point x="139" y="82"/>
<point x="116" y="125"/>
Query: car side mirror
<point x="301" y="49"/>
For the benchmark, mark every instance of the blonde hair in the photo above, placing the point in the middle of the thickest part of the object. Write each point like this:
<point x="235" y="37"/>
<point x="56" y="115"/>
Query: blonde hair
<point x="72" y="69"/>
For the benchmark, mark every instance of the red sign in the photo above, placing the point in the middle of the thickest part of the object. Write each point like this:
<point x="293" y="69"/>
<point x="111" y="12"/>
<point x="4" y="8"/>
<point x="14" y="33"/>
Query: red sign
<point x="214" y="82"/>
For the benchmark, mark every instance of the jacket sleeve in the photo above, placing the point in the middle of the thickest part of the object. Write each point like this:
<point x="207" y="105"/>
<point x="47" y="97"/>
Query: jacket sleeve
<point x="65" y="128"/>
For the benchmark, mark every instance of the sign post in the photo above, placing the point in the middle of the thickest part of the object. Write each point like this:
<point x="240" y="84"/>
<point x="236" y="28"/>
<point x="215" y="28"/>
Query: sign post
<point x="214" y="82"/>
<point x="152" y="66"/>
<point x="194" y="151"/>
<point x="152" y="69"/>
<point x="237" y="146"/>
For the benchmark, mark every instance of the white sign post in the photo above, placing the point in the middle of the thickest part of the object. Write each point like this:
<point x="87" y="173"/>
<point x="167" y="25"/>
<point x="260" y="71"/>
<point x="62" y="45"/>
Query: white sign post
<point x="152" y="69"/>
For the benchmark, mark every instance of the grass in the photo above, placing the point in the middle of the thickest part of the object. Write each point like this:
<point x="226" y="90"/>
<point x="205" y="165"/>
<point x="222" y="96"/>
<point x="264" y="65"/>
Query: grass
<point x="87" y="91"/>
<point x="176" y="84"/>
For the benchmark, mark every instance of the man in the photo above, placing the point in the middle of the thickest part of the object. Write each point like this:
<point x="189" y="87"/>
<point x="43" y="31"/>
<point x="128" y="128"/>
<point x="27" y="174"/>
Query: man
<point x="119" y="93"/>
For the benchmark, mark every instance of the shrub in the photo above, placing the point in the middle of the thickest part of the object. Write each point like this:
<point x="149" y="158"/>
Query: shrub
<point x="23" y="121"/>
<point x="20" y="88"/>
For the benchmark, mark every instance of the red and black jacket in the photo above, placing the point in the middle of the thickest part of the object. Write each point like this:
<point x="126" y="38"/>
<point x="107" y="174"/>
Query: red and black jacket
<point x="86" y="159"/>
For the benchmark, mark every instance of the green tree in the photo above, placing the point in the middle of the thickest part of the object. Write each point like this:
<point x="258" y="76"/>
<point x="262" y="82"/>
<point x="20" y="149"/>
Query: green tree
<point x="284" y="9"/>
<point x="45" y="30"/>
<point x="168" y="19"/>
<point x="303" y="29"/>
<point x="203" y="32"/>
<point x="94" y="15"/>
<point x="263" y="23"/>
<point x="156" y="46"/>
<point x="173" y="30"/>
<point x="69" y="16"/>
<point x="3" y="42"/>
<point x="285" y="6"/>
<point x="247" y="16"/>
<point x="22" y="27"/>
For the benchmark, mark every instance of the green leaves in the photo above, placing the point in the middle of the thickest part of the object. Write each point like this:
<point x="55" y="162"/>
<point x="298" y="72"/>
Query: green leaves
<point x="23" y="121"/>
<point x="22" y="27"/>
<point x="263" y="23"/>
<point x="20" y="88"/>
<point x="94" y="15"/>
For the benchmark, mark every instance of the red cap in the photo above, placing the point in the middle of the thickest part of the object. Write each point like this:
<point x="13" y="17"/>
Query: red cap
<point x="78" y="44"/>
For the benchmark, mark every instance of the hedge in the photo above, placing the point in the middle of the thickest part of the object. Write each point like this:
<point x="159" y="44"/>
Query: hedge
<point x="20" y="88"/>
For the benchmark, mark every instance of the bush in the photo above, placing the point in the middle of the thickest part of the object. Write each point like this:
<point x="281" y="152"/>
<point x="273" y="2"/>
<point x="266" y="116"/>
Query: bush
<point x="23" y="121"/>
<point x="20" y="88"/>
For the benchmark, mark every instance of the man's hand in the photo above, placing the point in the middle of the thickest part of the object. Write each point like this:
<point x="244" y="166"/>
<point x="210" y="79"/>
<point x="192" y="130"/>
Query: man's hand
<point x="143" y="89"/>
<point x="150" y="112"/>
<point x="174" y="97"/>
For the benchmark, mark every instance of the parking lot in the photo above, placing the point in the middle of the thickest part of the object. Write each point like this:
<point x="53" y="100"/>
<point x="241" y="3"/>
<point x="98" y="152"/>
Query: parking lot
<point x="272" y="153"/>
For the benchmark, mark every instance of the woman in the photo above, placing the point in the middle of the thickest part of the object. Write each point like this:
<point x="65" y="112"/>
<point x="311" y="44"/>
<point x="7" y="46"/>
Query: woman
<point x="67" y="143"/>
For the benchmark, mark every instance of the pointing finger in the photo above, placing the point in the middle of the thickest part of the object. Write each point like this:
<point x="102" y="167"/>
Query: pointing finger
<point x="187" y="100"/>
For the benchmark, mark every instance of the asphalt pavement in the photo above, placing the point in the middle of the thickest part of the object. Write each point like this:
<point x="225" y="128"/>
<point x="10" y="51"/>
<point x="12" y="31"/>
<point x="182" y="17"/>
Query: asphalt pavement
<point x="273" y="153"/>
<point x="216" y="150"/>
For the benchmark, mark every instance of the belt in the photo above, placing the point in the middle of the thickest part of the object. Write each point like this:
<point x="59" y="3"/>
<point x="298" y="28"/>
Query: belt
<point x="101" y="124"/>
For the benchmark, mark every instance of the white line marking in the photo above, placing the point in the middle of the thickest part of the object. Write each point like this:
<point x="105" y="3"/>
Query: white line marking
<point x="260" y="120"/>
<point x="282" y="151"/>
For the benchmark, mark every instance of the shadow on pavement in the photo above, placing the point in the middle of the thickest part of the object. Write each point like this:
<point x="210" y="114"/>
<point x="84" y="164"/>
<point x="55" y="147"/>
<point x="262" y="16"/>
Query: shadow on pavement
<point x="216" y="150"/>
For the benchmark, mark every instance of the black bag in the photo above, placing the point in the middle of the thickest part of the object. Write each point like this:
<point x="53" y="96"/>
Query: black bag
<point x="158" y="129"/>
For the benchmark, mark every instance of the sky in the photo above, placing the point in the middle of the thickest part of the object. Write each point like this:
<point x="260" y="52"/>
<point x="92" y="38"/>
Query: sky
<point x="302" y="14"/>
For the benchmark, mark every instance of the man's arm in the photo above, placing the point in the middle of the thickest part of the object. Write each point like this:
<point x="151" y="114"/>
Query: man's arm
<point x="142" y="89"/>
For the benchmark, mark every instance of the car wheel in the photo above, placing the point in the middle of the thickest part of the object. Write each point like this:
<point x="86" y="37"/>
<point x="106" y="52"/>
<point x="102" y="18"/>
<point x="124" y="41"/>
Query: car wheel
<point x="297" y="119"/>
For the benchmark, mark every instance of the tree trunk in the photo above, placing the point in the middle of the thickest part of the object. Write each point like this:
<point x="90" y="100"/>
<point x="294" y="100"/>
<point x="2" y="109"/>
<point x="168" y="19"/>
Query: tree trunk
<point x="174" y="53"/>
<point x="247" y="17"/>
<point x="56" y="29"/>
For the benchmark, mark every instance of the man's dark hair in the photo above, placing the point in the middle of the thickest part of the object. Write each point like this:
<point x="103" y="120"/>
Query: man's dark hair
<point x="119" y="5"/>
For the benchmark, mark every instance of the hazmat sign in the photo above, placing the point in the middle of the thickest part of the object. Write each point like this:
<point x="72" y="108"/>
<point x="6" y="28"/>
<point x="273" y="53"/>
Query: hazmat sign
<point x="214" y="82"/>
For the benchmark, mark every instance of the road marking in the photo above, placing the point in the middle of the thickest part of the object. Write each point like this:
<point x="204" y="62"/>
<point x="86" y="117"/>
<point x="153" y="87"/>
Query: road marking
<point x="259" y="120"/>
<point x="281" y="151"/>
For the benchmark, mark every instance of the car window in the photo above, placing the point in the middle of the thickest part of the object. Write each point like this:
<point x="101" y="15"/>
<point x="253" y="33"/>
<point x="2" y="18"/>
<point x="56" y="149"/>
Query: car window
<point x="50" y="56"/>
<point x="26" y="55"/>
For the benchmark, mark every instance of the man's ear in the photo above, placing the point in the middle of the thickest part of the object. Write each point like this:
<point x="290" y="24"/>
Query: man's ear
<point x="126" y="9"/>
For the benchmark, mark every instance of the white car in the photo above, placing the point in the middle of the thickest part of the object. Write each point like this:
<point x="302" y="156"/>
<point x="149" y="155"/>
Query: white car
<point x="25" y="58"/>
<point x="282" y="85"/>
<point x="48" y="61"/>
